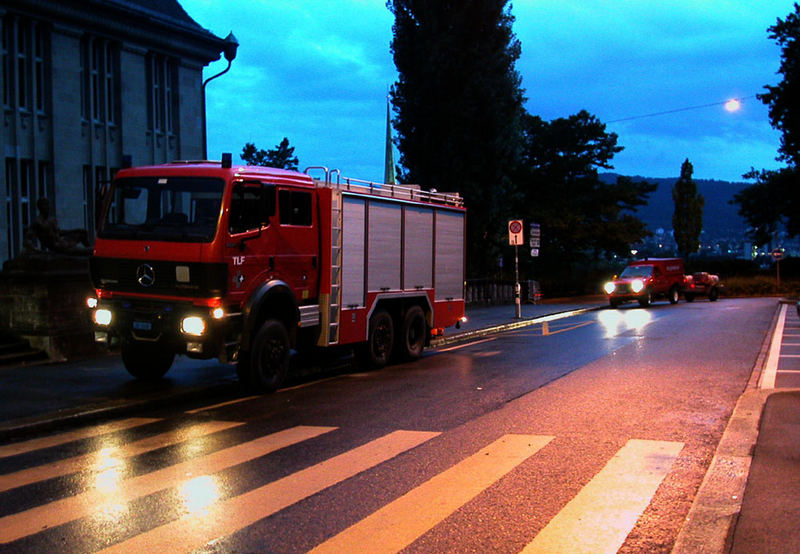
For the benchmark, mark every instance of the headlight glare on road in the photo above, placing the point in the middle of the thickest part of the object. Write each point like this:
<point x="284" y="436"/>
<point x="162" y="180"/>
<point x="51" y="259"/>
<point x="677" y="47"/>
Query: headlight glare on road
<point x="102" y="316"/>
<point x="637" y="285"/>
<point x="609" y="287"/>
<point x="193" y="325"/>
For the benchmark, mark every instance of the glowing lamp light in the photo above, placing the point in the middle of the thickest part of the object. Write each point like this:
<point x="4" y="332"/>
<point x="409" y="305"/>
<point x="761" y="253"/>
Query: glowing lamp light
<point x="733" y="105"/>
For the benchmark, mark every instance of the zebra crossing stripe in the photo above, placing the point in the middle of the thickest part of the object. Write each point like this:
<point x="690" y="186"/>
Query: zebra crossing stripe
<point x="87" y="433"/>
<point x="605" y="511"/>
<point x="112" y="491"/>
<point x="223" y="518"/>
<point x="401" y="522"/>
<point x="109" y="456"/>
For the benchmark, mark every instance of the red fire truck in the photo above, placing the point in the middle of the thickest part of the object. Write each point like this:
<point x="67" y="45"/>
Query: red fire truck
<point x="246" y="263"/>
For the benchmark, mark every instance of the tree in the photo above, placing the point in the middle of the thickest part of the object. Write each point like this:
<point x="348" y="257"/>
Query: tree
<point x="282" y="156"/>
<point x="687" y="219"/>
<point x="774" y="199"/>
<point x="458" y="108"/>
<point x="582" y="218"/>
<point x="784" y="99"/>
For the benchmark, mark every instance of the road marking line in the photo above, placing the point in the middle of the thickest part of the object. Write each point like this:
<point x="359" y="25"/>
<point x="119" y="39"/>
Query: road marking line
<point x="110" y="495"/>
<point x="109" y="455"/>
<point x="221" y="405"/>
<point x="546" y="332"/>
<point x="404" y="520"/>
<point x="223" y="518"/>
<point x="788" y="371"/>
<point x="789" y="355"/>
<point x="602" y="514"/>
<point x="767" y="379"/>
<point x="473" y="343"/>
<point x="63" y="438"/>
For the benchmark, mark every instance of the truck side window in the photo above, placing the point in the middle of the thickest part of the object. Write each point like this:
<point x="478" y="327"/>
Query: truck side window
<point x="251" y="207"/>
<point x="295" y="207"/>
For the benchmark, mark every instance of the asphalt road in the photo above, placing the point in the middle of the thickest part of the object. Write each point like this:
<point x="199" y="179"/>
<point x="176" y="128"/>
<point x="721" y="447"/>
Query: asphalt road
<point x="590" y="434"/>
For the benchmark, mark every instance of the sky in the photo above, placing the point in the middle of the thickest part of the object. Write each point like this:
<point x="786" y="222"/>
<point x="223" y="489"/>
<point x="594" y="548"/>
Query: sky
<point x="318" y="72"/>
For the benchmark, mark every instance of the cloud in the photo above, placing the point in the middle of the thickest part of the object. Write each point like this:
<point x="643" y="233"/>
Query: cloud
<point x="318" y="72"/>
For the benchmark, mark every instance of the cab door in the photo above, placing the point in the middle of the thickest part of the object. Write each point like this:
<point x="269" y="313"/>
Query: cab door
<point x="297" y="242"/>
<point x="249" y="248"/>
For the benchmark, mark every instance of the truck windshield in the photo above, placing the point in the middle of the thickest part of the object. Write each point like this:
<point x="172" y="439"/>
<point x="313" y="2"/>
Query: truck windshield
<point x="637" y="271"/>
<point x="180" y="209"/>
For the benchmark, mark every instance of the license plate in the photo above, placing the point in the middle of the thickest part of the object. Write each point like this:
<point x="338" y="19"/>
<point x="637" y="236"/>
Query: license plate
<point x="142" y="325"/>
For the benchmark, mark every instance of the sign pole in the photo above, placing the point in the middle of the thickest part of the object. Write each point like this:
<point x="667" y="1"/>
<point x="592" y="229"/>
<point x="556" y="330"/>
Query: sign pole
<point x="516" y="284"/>
<point x="515" y="239"/>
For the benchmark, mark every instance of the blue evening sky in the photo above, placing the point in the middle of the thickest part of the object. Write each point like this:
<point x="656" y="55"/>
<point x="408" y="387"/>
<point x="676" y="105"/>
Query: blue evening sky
<point x="318" y="73"/>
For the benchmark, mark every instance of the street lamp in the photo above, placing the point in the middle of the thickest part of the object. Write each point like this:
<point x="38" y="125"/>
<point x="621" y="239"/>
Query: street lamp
<point x="229" y="47"/>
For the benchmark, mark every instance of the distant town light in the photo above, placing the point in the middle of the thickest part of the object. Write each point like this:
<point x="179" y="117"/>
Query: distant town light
<point x="733" y="105"/>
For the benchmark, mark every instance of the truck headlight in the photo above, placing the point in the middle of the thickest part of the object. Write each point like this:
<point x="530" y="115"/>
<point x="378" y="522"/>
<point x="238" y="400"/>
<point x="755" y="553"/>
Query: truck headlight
<point x="609" y="287"/>
<point x="193" y="325"/>
<point x="637" y="285"/>
<point x="102" y="316"/>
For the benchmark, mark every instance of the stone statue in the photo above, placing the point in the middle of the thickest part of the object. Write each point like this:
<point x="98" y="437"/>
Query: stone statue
<point x="44" y="236"/>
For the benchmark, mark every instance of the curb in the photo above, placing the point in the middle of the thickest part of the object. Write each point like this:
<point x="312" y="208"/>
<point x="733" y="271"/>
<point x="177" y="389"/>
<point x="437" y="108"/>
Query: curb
<point x="479" y="333"/>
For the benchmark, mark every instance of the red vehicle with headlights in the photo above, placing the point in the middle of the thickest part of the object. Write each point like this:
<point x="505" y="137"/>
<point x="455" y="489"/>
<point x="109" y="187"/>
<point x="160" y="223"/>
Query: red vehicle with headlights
<point x="644" y="280"/>
<point x="246" y="264"/>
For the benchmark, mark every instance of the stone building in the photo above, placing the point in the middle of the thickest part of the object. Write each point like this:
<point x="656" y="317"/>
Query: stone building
<point x="88" y="86"/>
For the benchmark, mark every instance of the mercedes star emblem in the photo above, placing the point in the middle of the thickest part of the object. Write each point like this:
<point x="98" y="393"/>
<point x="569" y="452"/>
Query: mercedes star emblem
<point x="145" y="275"/>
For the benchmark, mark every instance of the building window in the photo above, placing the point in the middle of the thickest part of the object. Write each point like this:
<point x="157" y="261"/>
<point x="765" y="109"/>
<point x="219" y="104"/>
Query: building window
<point x="100" y="80"/>
<point x="162" y="94"/>
<point x="25" y="45"/>
<point x="26" y="182"/>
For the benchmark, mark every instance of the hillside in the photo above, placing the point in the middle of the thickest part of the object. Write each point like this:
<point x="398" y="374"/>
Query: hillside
<point x="720" y="217"/>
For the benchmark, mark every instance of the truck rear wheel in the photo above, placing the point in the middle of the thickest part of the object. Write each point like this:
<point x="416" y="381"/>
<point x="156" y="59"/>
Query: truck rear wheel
<point x="713" y="294"/>
<point x="380" y="340"/>
<point x="413" y="334"/>
<point x="148" y="361"/>
<point x="268" y="359"/>
<point x="674" y="295"/>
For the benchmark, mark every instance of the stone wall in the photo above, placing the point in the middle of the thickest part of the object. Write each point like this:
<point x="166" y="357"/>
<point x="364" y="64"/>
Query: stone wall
<point x="42" y="300"/>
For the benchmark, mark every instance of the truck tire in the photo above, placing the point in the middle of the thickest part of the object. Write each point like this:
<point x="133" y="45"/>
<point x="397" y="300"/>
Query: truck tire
<point x="713" y="294"/>
<point x="689" y="297"/>
<point x="380" y="340"/>
<point x="148" y="361"/>
<point x="674" y="295"/>
<point x="645" y="299"/>
<point x="413" y="333"/>
<point x="269" y="357"/>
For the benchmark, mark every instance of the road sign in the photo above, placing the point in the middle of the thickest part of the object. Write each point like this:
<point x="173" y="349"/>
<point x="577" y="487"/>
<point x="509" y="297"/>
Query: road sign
<point x="535" y="239"/>
<point x="515" y="232"/>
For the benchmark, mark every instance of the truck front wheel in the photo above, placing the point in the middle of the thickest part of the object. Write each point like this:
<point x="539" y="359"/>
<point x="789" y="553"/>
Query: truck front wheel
<point x="713" y="294"/>
<point x="148" y="361"/>
<point x="268" y="359"/>
<point x="645" y="299"/>
<point x="413" y="333"/>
